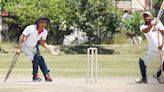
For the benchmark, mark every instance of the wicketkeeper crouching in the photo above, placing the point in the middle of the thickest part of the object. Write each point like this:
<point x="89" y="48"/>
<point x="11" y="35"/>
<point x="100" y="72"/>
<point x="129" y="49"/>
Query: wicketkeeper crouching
<point x="27" y="44"/>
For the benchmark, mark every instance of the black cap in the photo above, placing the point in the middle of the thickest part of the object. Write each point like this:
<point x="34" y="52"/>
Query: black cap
<point x="42" y="18"/>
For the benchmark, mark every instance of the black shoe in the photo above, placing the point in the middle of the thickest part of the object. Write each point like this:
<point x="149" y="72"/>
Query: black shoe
<point x="157" y="78"/>
<point x="48" y="78"/>
<point x="36" y="78"/>
<point x="141" y="80"/>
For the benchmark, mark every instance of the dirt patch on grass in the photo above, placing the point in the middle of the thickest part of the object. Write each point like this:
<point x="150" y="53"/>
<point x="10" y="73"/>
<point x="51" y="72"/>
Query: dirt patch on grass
<point x="111" y="84"/>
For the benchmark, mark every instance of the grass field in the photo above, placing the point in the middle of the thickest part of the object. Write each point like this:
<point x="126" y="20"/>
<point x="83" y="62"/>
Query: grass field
<point x="115" y="71"/>
<point x="124" y="62"/>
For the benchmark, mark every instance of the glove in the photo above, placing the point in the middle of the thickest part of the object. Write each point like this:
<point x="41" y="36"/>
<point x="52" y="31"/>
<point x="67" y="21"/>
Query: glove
<point x="154" y="21"/>
<point x="54" y="50"/>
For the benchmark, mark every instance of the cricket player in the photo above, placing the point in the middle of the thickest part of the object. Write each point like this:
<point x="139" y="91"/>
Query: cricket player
<point x="153" y="29"/>
<point x="27" y="44"/>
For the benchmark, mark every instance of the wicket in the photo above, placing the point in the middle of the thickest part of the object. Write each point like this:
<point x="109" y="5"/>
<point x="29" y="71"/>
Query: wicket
<point x="91" y="65"/>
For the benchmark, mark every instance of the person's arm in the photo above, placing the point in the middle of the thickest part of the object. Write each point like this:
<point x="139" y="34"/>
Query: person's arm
<point x="49" y="47"/>
<point x="150" y="25"/>
<point x="161" y="29"/>
<point x="43" y="40"/>
<point x="147" y="29"/>
<point x="43" y="43"/>
<point x="161" y="46"/>
<point x="22" y="38"/>
<point x="20" y="42"/>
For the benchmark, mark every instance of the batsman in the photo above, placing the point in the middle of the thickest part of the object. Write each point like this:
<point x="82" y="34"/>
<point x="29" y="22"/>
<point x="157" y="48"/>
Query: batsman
<point x="28" y="45"/>
<point x="153" y="30"/>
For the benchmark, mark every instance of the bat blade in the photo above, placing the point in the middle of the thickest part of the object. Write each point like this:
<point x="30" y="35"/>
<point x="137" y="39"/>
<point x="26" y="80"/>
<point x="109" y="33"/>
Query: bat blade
<point x="161" y="10"/>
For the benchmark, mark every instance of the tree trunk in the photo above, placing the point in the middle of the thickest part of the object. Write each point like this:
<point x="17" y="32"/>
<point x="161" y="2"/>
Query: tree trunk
<point x="98" y="36"/>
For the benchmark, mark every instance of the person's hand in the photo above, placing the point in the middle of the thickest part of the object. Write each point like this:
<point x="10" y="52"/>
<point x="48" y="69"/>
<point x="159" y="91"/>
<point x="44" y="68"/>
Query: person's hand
<point x="54" y="50"/>
<point x="18" y="51"/>
<point x="154" y="21"/>
<point x="160" y="47"/>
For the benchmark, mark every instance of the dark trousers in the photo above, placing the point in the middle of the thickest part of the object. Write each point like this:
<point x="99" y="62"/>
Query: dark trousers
<point x="142" y="69"/>
<point x="39" y="62"/>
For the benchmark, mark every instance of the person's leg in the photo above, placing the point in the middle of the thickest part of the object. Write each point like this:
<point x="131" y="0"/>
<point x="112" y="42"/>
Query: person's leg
<point x="35" y="67"/>
<point x="142" y="69"/>
<point x="143" y="72"/>
<point x="30" y="53"/>
<point x="44" y="68"/>
<point x="35" y="63"/>
<point x="159" y="70"/>
<point x="157" y="75"/>
<point x="143" y="62"/>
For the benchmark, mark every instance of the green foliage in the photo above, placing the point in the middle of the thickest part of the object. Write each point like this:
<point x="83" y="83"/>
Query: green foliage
<point x="156" y="1"/>
<point x="119" y="38"/>
<point x="93" y="15"/>
<point x="28" y="11"/>
<point x="132" y="25"/>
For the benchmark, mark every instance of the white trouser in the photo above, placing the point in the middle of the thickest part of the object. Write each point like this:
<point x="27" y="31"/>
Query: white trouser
<point x="151" y="55"/>
<point x="30" y="52"/>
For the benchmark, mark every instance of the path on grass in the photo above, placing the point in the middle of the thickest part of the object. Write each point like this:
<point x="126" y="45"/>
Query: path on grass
<point x="112" y="84"/>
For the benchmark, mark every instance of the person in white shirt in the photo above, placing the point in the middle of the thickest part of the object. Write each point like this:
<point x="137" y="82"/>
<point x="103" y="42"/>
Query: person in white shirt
<point x="126" y="15"/>
<point x="153" y="30"/>
<point x="28" y="41"/>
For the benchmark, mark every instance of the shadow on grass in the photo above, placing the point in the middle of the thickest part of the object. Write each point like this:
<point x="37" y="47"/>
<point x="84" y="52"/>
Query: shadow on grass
<point x="83" y="50"/>
<point x="3" y="51"/>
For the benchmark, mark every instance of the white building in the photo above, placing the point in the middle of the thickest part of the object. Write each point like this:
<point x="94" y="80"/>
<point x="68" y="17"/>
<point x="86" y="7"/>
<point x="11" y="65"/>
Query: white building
<point x="133" y="5"/>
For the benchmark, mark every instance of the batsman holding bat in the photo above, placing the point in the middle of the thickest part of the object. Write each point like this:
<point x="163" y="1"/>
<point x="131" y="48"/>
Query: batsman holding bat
<point x="28" y="42"/>
<point x="153" y="29"/>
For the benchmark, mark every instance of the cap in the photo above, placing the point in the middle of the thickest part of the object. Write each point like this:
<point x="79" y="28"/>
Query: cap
<point x="42" y="18"/>
<point x="148" y="13"/>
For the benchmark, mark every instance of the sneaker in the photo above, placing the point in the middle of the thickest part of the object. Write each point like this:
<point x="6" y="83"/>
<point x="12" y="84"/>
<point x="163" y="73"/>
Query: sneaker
<point x="141" y="80"/>
<point x="36" y="78"/>
<point x="48" y="78"/>
<point x="157" y="78"/>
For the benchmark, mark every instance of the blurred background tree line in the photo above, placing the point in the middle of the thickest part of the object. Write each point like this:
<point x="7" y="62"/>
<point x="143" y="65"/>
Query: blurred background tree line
<point x="100" y="19"/>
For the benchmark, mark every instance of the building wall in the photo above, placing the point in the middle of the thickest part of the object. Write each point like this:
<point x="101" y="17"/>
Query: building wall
<point x="138" y="4"/>
<point x="133" y="4"/>
<point x="124" y="5"/>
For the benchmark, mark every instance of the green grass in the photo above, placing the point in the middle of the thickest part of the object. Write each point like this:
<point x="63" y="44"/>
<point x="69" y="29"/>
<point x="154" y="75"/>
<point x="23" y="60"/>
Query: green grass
<point x="123" y="63"/>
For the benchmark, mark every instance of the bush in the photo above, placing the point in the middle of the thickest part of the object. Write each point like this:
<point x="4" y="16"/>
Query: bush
<point x="119" y="38"/>
<point x="132" y="25"/>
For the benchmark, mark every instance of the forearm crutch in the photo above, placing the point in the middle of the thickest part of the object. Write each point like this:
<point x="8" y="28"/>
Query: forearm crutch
<point x="11" y="66"/>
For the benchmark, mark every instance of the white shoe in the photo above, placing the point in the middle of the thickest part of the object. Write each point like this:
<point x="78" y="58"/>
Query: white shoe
<point x="141" y="80"/>
<point x="158" y="78"/>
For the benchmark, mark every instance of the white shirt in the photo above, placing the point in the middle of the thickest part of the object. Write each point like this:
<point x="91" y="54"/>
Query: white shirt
<point x="152" y="36"/>
<point x="32" y="36"/>
<point x="126" y="16"/>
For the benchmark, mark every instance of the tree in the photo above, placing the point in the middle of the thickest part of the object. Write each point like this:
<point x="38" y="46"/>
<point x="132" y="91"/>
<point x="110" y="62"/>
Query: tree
<point x="96" y="17"/>
<point x="2" y="4"/>
<point x="99" y="16"/>
<point x="27" y="11"/>
<point x="133" y="24"/>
